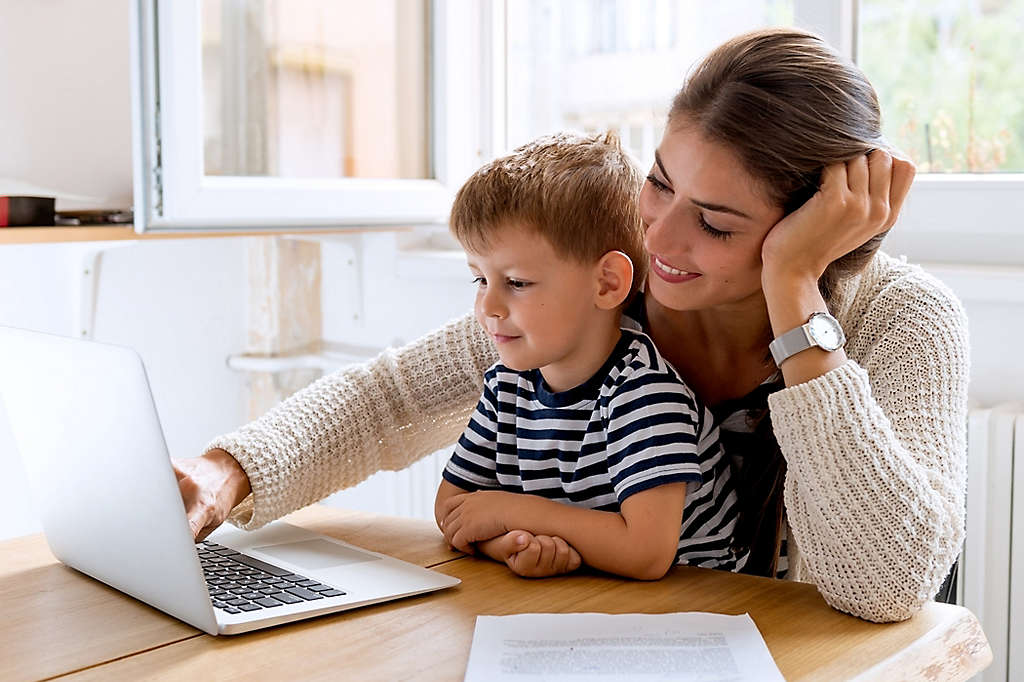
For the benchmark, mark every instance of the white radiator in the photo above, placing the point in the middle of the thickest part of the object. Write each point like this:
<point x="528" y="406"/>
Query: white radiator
<point x="991" y="581"/>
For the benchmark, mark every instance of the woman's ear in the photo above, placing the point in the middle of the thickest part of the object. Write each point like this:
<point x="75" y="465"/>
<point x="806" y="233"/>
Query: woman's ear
<point x="614" y="280"/>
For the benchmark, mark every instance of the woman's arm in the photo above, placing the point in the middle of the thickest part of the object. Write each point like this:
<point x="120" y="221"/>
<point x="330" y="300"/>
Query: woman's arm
<point x="876" y="451"/>
<point x="639" y="542"/>
<point x="383" y="414"/>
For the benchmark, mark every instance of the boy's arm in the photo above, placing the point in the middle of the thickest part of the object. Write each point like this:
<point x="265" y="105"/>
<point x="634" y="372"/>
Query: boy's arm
<point x="472" y="465"/>
<point x="546" y="556"/>
<point x="444" y="492"/>
<point x="638" y="542"/>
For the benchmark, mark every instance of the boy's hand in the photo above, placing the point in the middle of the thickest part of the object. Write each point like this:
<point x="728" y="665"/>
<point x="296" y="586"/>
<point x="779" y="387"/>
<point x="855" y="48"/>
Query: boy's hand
<point x="476" y="516"/>
<point x="533" y="556"/>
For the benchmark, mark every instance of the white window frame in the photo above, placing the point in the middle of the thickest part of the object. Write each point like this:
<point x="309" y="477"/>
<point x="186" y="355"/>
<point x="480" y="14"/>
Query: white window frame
<point x="970" y="218"/>
<point x="172" y="191"/>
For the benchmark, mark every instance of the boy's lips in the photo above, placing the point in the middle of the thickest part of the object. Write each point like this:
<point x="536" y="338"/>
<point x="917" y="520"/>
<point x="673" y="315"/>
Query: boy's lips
<point x="670" y="273"/>
<point x="502" y="338"/>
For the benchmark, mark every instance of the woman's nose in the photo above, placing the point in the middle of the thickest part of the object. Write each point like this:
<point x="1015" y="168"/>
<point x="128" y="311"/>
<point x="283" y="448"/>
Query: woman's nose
<point x="663" y="232"/>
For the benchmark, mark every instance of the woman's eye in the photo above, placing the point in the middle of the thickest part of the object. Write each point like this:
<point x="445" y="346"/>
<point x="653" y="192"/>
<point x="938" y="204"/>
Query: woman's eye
<point x="716" y="233"/>
<point x="518" y="284"/>
<point x="658" y="185"/>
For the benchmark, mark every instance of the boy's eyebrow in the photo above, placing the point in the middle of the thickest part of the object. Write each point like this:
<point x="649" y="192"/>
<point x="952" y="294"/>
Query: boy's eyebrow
<point x="706" y="205"/>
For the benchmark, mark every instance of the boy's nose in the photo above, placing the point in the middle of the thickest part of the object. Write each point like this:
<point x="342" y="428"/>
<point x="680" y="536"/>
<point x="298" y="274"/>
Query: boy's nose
<point x="492" y="305"/>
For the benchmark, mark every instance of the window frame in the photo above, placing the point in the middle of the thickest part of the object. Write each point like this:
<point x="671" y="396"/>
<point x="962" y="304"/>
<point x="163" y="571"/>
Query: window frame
<point x="172" y="191"/>
<point x="971" y="218"/>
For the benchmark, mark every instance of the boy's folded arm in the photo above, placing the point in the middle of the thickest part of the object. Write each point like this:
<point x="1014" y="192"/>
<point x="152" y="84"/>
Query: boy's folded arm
<point x="444" y="491"/>
<point x="639" y="542"/>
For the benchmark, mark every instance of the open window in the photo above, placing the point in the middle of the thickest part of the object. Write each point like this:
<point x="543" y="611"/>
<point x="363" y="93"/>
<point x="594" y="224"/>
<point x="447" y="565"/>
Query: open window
<point x="284" y="113"/>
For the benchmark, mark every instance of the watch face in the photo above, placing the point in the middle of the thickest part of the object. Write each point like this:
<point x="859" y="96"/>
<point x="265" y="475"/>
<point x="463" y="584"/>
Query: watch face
<point x="825" y="331"/>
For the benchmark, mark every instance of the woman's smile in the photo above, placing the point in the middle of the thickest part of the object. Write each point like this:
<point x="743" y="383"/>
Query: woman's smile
<point x="670" y="273"/>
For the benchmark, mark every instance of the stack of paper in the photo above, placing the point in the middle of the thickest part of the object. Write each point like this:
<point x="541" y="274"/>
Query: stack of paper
<point x="601" y="646"/>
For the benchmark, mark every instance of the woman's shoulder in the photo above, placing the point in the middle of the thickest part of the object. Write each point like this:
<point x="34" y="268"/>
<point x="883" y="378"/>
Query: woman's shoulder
<point x="894" y="296"/>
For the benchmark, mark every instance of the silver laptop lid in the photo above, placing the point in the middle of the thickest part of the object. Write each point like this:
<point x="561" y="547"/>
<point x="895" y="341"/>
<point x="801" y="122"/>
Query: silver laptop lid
<point x="84" y="422"/>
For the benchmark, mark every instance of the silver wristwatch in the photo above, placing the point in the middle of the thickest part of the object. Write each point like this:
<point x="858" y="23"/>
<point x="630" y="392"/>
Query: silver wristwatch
<point x="821" y="330"/>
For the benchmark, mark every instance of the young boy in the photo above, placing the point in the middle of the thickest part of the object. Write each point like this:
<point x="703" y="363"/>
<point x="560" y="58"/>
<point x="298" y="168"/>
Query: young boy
<point x="585" y="445"/>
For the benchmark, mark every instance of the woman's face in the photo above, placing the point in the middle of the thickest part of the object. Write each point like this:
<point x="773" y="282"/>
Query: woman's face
<point x="706" y="218"/>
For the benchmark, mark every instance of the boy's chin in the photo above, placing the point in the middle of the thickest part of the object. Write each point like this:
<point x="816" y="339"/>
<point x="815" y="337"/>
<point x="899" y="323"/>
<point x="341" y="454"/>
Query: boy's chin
<point x="515" y="365"/>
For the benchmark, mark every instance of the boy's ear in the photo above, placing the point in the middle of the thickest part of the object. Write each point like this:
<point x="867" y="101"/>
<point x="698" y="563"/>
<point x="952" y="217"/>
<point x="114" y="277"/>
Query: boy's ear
<point x="614" y="280"/>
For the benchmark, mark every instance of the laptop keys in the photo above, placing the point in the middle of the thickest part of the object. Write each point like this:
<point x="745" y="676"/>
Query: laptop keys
<point x="240" y="583"/>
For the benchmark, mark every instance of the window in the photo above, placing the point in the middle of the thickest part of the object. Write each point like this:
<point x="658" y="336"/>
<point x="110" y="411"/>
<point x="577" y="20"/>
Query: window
<point x="307" y="112"/>
<point x="278" y="112"/>
<point x="949" y="83"/>
<point x="945" y="73"/>
<point x="614" y="64"/>
<point x="287" y="83"/>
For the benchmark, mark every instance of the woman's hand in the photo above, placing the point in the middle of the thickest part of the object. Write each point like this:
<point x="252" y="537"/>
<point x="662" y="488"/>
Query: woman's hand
<point x="533" y="556"/>
<point x="857" y="200"/>
<point x="211" y="486"/>
<point x="476" y="516"/>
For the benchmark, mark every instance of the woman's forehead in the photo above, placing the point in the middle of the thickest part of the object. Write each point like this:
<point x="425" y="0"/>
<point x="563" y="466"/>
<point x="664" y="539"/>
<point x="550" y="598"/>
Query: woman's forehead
<point x="709" y="171"/>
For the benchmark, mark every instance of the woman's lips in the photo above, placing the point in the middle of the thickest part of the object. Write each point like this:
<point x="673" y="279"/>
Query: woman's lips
<point x="669" y="273"/>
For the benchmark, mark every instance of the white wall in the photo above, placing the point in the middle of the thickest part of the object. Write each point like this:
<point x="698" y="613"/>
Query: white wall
<point x="65" y="105"/>
<point x="180" y="305"/>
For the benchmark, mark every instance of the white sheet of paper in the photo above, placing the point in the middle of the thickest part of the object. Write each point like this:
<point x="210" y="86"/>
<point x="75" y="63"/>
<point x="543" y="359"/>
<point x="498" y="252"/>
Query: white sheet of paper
<point x="600" y="646"/>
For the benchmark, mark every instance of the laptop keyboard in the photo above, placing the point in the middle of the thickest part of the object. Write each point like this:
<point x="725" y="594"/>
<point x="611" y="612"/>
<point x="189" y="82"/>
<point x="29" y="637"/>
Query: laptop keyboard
<point x="238" y="582"/>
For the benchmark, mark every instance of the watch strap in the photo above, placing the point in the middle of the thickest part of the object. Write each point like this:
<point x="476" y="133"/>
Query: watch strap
<point x="790" y="343"/>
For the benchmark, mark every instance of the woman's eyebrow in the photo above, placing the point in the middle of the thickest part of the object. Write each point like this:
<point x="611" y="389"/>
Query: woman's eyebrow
<point x="706" y="205"/>
<point x="661" y="166"/>
<point x="718" y="208"/>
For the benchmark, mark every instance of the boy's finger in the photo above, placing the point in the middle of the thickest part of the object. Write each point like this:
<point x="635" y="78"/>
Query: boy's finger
<point x="547" y="550"/>
<point x="510" y="543"/>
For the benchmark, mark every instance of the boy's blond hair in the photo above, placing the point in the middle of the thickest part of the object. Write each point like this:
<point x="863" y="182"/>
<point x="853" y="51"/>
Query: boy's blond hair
<point x="577" y="191"/>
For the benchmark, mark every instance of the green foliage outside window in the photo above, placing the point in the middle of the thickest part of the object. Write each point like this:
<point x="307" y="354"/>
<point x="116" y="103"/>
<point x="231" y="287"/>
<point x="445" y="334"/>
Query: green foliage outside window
<point x="950" y="78"/>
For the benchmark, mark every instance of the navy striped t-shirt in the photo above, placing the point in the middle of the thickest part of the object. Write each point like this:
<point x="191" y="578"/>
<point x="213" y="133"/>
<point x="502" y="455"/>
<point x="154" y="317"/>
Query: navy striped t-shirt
<point x="631" y="427"/>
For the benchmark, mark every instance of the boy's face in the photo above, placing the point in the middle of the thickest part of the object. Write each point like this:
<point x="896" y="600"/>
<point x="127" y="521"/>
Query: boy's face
<point x="537" y="306"/>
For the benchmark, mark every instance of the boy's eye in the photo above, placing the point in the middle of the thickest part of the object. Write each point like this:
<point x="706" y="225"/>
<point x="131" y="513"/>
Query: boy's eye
<point x="518" y="284"/>
<point x="479" y="281"/>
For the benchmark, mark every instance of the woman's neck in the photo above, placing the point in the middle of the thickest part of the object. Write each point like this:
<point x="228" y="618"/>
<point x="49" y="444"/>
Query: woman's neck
<point x="722" y="353"/>
<point x="737" y="329"/>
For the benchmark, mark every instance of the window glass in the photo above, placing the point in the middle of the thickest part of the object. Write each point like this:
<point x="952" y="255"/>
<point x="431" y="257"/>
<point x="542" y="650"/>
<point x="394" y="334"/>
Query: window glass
<point x="614" y="64"/>
<point x="316" y="88"/>
<point x="949" y="79"/>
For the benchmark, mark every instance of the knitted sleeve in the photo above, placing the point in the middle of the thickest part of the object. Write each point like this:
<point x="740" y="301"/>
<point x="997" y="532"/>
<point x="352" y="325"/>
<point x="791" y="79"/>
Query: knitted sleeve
<point x="384" y="414"/>
<point x="876" y="454"/>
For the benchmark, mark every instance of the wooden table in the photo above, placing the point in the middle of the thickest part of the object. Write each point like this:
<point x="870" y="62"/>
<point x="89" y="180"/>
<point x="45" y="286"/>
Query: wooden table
<point x="62" y="623"/>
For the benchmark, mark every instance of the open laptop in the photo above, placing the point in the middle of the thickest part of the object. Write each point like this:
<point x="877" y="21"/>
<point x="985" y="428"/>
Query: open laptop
<point x="84" y="421"/>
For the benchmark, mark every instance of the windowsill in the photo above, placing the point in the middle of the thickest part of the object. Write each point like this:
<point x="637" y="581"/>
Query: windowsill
<point x="105" y="233"/>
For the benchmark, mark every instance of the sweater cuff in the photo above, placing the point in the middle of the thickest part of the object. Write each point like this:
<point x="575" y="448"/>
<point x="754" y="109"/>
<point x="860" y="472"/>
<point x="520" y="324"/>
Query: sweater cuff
<point x="244" y="513"/>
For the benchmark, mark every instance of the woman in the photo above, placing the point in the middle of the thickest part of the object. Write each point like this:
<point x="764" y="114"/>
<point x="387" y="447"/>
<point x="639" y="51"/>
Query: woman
<point x="765" y="208"/>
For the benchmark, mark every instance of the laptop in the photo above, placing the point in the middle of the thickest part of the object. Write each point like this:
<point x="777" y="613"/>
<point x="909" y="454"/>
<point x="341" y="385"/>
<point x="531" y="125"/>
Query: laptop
<point x="86" y="426"/>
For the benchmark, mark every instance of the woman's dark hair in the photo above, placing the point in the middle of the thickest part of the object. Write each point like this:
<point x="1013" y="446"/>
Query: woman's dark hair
<point x="787" y="105"/>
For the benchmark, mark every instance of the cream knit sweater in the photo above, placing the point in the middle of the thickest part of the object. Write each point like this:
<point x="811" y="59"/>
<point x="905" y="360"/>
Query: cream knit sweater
<point x="876" y="449"/>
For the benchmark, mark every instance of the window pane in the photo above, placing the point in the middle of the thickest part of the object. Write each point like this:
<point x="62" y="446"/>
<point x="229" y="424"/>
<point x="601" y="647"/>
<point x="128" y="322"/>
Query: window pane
<point x="316" y="88"/>
<point x="949" y="80"/>
<point x="614" y="64"/>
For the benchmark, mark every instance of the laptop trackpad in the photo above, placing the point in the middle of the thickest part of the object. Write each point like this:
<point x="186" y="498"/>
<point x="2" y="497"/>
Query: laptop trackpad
<point x="316" y="554"/>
